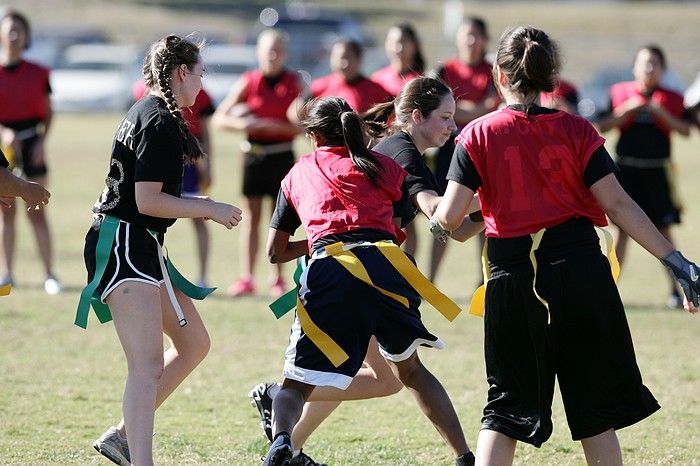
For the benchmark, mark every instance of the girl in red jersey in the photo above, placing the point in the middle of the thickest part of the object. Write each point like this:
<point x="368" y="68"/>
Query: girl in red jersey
<point x="345" y="196"/>
<point x="646" y="115"/>
<point x="544" y="180"/>
<point x="469" y="75"/>
<point x="196" y="177"/>
<point x="257" y="105"/>
<point x="126" y="267"/>
<point x="25" y="119"/>
<point x="406" y="61"/>
<point x="422" y="118"/>
<point x="347" y="81"/>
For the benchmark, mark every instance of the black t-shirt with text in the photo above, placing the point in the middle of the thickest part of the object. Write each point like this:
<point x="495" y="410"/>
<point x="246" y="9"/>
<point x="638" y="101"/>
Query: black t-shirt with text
<point x="148" y="146"/>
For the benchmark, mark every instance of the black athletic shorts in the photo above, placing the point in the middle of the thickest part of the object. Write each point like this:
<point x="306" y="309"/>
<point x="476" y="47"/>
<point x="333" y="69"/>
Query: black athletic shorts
<point x="349" y="311"/>
<point x="28" y="169"/>
<point x="263" y="174"/>
<point x="134" y="257"/>
<point x="652" y="189"/>
<point x="587" y="345"/>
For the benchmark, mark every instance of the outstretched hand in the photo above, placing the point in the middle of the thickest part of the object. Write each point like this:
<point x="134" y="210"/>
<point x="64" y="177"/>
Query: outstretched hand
<point x="688" y="276"/>
<point x="35" y="195"/>
<point x="226" y="214"/>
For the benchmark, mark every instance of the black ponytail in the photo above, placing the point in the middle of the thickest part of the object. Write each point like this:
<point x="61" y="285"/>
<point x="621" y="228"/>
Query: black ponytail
<point x="337" y="124"/>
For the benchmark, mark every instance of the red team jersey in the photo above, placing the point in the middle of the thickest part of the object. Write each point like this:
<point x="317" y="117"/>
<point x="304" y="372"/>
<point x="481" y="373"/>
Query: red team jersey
<point x="563" y="90"/>
<point x="332" y="196"/>
<point x="23" y="92"/>
<point x="202" y="106"/>
<point x="361" y="94"/>
<point x="531" y="170"/>
<point x="669" y="100"/>
<point x="472" y="83"/>
<point x="392" y="81"/>
<point x="270" y="102"/>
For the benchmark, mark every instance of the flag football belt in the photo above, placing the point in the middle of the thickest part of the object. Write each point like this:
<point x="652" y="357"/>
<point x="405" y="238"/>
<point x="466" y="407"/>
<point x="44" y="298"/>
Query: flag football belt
<point x="254" y="149"/>
<point x="342" y="253"/>
<point x="477" y="306"/>
<point x="91" y="296"/>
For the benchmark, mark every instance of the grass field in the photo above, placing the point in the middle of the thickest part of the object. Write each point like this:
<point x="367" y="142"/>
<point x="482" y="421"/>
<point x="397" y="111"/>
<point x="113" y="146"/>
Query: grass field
<point x="61" y="386"/>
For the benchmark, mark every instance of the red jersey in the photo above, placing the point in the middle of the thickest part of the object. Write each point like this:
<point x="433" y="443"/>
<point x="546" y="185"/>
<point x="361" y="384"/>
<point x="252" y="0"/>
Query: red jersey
<point x="202" y="107"/>
<point x="531" y="170"/>
<point x="270" y="102"/>
<point x="668" y="99"/>
<point x="332" y="196"/>
<point x="473" y="83"/>
<point x="24" y="89"/>
<point x="563" y="90"/>
<point x="360" y="94"/>
<point x="392" y="81"/>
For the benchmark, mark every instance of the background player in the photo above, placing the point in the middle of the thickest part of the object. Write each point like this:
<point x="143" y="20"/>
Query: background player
<point x="646" y="114"/>
<point x="257" y="105"/>
<point x="25" y="119"/>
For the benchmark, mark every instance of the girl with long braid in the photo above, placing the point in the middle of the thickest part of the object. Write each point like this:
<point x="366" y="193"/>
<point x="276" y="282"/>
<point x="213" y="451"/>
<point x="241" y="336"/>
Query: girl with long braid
<point x="358" y="282"/>
<point x="129" y="279"/>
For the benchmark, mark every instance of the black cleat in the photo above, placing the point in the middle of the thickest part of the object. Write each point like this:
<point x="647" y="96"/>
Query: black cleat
<point x="302" y="459"/>
<point x="262" y="395"/>
<point x="280" y="451"/>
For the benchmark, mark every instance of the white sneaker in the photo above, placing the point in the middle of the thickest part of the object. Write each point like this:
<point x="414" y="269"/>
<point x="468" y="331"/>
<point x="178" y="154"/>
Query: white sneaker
<point x="52" y="286"/>
<point x="113" y="446"/>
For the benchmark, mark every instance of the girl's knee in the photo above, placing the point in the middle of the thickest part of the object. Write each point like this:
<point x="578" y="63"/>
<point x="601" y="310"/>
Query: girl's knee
<point x="195" y="346"/>
<point x="147" y="369"/>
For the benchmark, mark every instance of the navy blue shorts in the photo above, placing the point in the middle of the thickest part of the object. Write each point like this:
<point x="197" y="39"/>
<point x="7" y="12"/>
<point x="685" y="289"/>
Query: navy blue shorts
<point x="350" y="312"/>
<point x="190" y="180"/>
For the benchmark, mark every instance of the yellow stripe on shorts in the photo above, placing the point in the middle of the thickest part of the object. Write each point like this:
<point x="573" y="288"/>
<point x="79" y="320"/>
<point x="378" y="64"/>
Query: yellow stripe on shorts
<point x="328" y="347"/>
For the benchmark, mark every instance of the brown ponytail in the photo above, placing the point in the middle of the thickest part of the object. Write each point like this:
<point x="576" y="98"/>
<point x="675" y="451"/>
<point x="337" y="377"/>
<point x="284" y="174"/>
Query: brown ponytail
<point x="528" y="59"/>
<point x="424" y="94"/>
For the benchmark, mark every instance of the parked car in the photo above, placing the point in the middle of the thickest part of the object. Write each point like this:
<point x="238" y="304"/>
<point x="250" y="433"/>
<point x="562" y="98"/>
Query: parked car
<point x="94" y="77"/>
<point x="224" y="64"/>
<point x="595" y="96"/>
<point x="49" y="44"/>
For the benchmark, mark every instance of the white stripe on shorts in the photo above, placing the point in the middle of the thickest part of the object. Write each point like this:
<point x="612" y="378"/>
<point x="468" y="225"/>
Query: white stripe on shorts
<point x="309" y="376"/>
<point x="437" y="344"/>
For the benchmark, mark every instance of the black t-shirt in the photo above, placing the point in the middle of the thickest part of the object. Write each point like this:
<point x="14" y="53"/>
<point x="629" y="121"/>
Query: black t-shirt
<point x="400" y="147"/>
<point x="148" y="146"/>
<point x="3" y="161"/>
<point x="463" y="171"/>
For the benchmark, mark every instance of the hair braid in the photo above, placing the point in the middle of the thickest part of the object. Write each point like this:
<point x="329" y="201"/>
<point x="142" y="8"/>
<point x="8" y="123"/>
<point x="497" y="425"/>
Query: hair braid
<point x="158" y="67"/>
